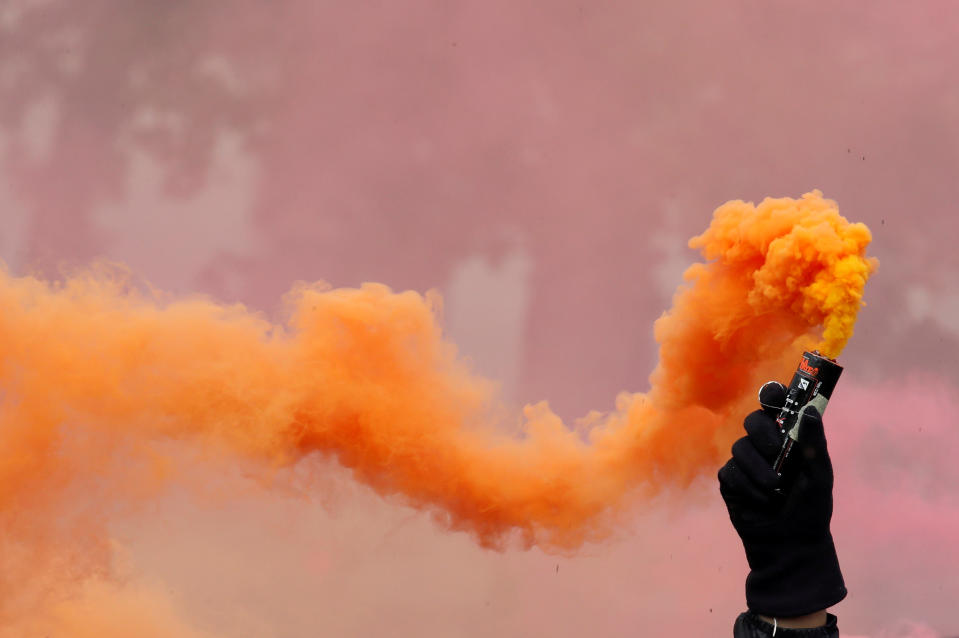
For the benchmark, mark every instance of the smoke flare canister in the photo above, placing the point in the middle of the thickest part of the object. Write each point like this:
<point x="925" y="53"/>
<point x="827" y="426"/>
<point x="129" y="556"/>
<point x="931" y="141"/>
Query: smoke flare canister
<point x="811" y="385"/>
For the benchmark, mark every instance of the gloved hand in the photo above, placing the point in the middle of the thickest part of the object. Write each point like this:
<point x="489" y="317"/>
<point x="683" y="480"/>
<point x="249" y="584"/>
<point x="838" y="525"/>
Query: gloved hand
<point x="792" y="559"/>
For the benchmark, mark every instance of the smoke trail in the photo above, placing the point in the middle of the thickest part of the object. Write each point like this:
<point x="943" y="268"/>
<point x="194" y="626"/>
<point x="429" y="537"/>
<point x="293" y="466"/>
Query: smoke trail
<point x="98" y="378"/>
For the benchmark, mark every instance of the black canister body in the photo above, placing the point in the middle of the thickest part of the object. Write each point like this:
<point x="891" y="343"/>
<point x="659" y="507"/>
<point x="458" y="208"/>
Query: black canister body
<point x="812" y="384"/>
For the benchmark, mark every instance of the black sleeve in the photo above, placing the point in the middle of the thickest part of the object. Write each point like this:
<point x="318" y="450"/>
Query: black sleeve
<point x="749" y="625"/>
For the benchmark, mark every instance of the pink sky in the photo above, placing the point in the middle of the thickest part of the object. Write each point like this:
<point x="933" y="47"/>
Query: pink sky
<point x="542" y="165"/>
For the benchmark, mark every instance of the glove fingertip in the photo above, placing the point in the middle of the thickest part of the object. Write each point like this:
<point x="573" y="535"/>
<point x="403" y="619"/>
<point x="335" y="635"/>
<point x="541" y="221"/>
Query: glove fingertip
<point x="772" y="397"/>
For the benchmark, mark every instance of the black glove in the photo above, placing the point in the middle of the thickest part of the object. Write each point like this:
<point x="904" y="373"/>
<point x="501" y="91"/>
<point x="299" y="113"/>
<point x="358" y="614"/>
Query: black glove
<point x="792" y="558"/>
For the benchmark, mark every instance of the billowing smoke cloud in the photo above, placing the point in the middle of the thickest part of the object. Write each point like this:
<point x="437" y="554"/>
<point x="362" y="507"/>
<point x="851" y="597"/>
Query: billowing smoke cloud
<point x="100" y="380"/>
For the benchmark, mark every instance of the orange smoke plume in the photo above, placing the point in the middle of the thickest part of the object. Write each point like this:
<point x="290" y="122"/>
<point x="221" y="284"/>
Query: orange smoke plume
<point x="98" y="379"/>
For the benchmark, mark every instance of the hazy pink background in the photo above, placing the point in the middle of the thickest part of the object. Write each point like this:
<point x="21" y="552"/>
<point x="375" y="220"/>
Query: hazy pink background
<point x="542" y="165"/>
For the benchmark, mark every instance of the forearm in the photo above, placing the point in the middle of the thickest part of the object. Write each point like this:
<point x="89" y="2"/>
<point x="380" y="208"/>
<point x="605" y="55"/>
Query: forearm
<point x="751" y="625"/>
<point x="809" y="621"/>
